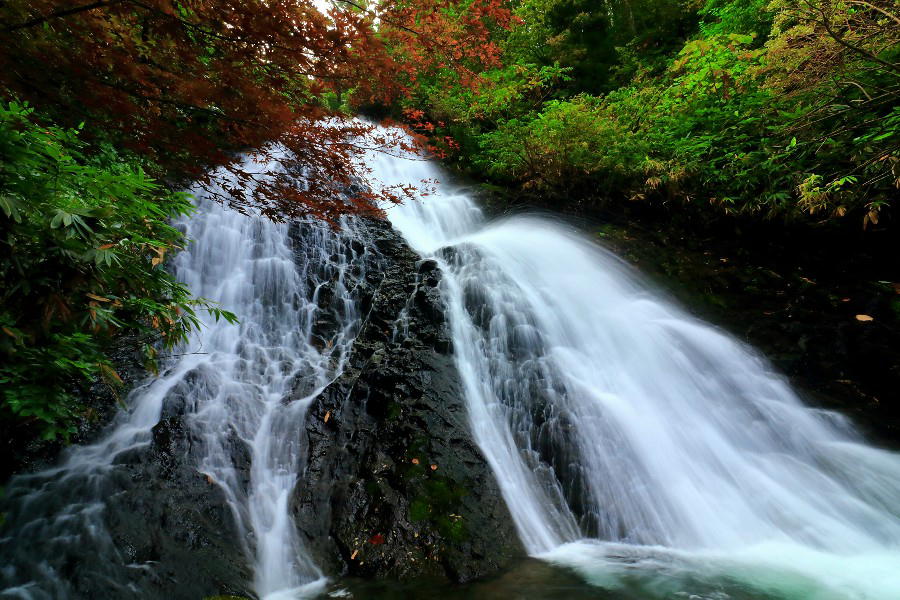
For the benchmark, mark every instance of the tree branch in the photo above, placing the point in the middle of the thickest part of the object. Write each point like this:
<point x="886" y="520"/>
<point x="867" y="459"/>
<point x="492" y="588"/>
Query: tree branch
<point x="826" y="23"/>
<point x="390" y="22"/>
<point x="59" y="14"/>
<point x="876" y="8"/>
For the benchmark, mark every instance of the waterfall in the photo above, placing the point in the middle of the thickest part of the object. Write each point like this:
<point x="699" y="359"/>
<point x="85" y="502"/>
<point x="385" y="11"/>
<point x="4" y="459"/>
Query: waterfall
<point x="643" y="449"/>
<point x="635" y="444"/>
<point x="247" y="385"/>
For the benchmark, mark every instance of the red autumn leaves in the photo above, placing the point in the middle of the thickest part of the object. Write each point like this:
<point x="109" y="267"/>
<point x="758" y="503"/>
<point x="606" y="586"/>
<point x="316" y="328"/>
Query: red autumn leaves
<point x="192" y="83"/>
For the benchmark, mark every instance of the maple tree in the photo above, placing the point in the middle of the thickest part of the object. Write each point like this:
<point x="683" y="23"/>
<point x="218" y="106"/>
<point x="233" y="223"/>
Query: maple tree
<point x="192" y="83"/>
<point x="248" y="98"/>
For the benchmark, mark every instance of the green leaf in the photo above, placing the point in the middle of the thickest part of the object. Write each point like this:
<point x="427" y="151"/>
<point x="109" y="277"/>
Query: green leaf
<point x="10" y="208"/>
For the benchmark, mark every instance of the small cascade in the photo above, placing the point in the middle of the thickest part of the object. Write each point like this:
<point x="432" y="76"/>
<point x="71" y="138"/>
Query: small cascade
<point x="241" y="391"/>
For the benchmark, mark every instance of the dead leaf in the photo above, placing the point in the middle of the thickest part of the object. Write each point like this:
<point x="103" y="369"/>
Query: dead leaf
<point x="327" y="416"/>
<point x="864" y="318"/>
<point x="355" y="552"/>
<point x="871" y="218"/>
<point x="109" y="374"/>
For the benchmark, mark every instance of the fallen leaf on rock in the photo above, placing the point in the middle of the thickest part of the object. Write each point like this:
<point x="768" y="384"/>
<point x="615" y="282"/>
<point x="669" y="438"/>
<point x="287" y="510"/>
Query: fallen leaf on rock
<point x="376" y="539"/>
<point x="864" y="318"/>
<point x="327" y="416"/>
<point x="355" y="552"/>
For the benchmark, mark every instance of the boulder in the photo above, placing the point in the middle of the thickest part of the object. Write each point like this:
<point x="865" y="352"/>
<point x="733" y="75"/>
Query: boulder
<point x="395" y="487"/>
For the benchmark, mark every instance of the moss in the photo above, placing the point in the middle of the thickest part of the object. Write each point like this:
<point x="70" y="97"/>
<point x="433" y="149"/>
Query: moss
<point x="394" y="411"/>
<point x="716" y="300"/>
<point x="438" y="503"/>
<point x="419" y="510"/>
<point x="452" y="527"/>
<point x="443" y="492"/>
<point x="372" y="488"/>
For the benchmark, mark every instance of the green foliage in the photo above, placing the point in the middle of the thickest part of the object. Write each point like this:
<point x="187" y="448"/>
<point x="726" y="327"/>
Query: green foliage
<point x="598" y="41"/>
<point x="737" y="16"/>
<point x="772" y="108"/>
<point x="82" y="244"/>
<point x="566" y="144"/>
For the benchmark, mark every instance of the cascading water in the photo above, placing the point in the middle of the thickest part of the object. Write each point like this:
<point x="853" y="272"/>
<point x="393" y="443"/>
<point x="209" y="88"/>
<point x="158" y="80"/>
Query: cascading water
<point x="248" y="384"/>
<point x="646" y="449"/>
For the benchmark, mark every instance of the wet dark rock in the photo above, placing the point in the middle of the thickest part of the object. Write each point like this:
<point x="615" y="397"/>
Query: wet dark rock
<point x="175" y="521"/>
<point x="395" y="487"/>
<point x="149" y="526"/>
<point x="21" y="448"/>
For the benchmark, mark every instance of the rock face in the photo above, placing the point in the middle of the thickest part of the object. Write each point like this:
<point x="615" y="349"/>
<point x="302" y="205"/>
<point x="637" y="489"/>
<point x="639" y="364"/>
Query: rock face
<point x="175" y="521"/>
<point x="149" y="526"/>
<point x="394" y="486"/>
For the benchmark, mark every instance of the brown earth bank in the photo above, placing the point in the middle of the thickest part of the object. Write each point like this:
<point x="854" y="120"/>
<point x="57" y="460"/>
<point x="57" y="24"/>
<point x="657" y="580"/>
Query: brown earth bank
<point x="822" y="303"/>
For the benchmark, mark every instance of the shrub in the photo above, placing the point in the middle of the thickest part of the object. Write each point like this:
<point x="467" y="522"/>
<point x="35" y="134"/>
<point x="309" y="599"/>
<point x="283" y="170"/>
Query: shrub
<point x="83" y="240"/>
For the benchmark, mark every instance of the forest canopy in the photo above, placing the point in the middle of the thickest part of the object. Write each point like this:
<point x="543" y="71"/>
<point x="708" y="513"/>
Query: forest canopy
<point x="767" y="108"/>
<point x="189" y="84"/>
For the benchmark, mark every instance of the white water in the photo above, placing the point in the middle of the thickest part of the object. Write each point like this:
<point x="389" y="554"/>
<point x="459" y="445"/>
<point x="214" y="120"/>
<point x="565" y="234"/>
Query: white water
<point x="647" y="451"/>
<point x="635" y="444"/>
<point x="247" y="384"/>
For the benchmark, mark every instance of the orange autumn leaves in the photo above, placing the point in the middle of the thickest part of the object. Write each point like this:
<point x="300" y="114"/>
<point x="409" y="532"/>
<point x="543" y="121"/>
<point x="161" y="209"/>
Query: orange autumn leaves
<point x="190" y="84"/>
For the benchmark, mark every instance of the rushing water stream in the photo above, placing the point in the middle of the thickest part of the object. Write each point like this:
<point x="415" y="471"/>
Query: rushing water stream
<point x="636" y="444"/>
<point x="648" y="452"/>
